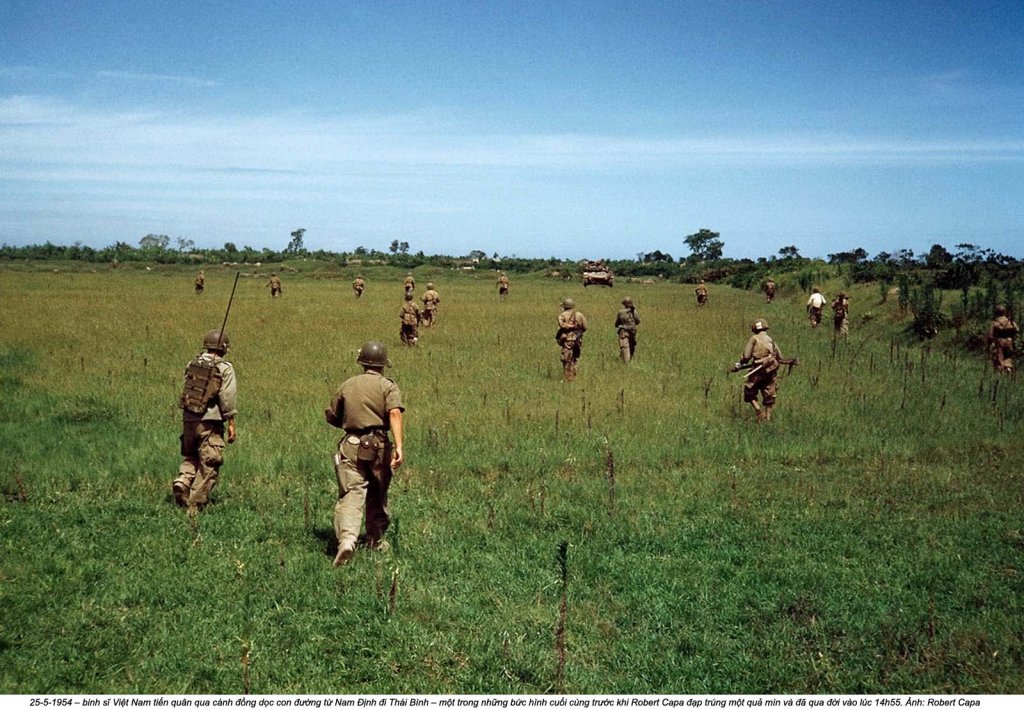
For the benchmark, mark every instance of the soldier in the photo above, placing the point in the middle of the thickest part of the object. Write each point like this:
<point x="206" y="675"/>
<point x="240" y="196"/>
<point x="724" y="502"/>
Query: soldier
<point x="200" y="282"/>
<point x="409" y="283"/>
<point x="769" y="291"/>
<point x="762" y="351"/>
<point x="366" y="407"/>
<point x="1001" y="332"/>
<point x="207" y="402"/>
<point x="410" y="315"/>
<point x="702" y="293"/>
<point x="626" y="323"/>
<point x="814" y="305"/>
<point x="571" y="327"/>
<point x="840" y="314"/>
<point x="431" y="300"/>
<point x="358" y="285"/>
<point x="275" y="286"/>
<point x="502" y="286"/>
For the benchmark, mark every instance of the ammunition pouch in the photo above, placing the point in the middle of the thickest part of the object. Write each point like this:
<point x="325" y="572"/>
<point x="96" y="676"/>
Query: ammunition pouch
<point x="202" y="383"/>
<point x="409" y="318"/>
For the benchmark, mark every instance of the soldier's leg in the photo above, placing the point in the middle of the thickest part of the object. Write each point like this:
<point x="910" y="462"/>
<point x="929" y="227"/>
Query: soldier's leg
<point x="348" y="511"/>
<point x="769" y="391"/>
<point x="182" y="485"/>
<point x="211" y="456"/>
<point x="378" y="517"/>
<point x="624" y="349"/>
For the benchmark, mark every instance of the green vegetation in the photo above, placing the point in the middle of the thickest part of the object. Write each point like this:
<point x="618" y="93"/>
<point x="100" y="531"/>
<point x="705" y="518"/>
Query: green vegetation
<point x="631" y="532"/>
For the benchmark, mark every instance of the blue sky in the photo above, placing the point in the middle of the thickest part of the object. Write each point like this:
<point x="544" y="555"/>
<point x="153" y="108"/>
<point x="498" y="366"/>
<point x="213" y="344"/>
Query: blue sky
<point x="569" y="129"/>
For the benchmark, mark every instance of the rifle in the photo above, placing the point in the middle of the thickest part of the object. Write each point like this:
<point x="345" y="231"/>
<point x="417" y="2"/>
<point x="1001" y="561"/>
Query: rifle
<point x="789" y="362"/>
<point x="231" y="298"/>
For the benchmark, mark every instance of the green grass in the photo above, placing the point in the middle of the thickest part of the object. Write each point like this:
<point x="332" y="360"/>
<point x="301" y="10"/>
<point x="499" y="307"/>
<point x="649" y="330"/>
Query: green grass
<point x="868" y="540"/>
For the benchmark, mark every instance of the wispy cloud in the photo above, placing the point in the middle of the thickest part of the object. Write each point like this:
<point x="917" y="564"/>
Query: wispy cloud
<point x="24" y="72"/>
<point x="172" y="78"/>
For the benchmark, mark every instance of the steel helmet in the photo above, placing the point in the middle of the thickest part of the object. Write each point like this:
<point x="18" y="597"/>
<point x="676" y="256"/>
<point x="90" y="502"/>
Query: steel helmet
<point x="759" y="325"/>
<point x="213" y="341"/>
<point x="373" y="354"/>
<point x="430" y="284"/>
<point x="627" y="302"/>
<point x="1000" y="310"/>
<point x="568" y="303"/>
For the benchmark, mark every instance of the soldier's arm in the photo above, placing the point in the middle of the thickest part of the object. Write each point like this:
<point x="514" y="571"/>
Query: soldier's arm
<point x="227" y="399"/>
<point x="748" y="352"/>
<point x="395" y="420"/>
<point x="334" y="414"/>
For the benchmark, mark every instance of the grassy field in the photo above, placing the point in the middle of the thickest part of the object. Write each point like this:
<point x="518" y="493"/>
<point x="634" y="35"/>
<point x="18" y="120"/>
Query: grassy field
<point x="630" y="532"/>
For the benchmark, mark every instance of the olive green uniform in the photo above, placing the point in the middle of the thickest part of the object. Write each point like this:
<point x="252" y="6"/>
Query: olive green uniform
<point x="702" y="294"/>
<point x="202" y="439"/>
<point x="410" y="315"/>
<point x="409" y="283"/>
<point x="1001" y="332"/>
<point x="626" y="323"/>
<point x="431" y="300"/>
<point x="362" y="409"/>
<point x="571" y="327"/>
<point x="763" y="378"/>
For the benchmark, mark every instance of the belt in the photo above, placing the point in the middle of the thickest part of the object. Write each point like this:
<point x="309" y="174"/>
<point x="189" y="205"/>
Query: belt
<point x="378" y="430"/>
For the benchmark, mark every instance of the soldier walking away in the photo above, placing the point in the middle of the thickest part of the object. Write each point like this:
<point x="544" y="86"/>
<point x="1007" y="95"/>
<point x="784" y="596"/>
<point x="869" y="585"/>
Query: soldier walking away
<point x="207" y="402"/>
<point x="431" y="300"/>
<point x="275" y="286"/>
<point x="571" y="326"/>
<point x="366" y="407"/>
<point x="702" y="293"/>
<point x="814" y="305"/>
<point x="763" y="355"/>
<point x="358" y="286"/>
<point x="200" y="282"/>
<point x="626" y="323"/>
<point x="410" y="315"/>
<point x="769" y="291"/>
<point x="503" y="286"/>
<point x="1001" y="332"/>
<point x="841" y="314"/>
<point x="409" y="283"/>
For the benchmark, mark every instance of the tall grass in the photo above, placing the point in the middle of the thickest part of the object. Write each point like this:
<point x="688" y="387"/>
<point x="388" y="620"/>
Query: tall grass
<point x="868" y="540"/>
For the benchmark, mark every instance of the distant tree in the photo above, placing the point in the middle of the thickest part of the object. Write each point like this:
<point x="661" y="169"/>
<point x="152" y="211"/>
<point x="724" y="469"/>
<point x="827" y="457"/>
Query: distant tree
<point x="295" y="246"/>
<point x="477" y="254"/>
<point x="360" y="251"/>
<point x="185" y="245"/>
<point x="230" y="248"/>
<point x="705" y="245"/>
<point x="394" y="247"/>
<point x="938" y="257"/>
<point x="404" y="247"/>
<point x="790" y="252"/>
<point x="656" y="256"/>
<point x="155" y="241"/>
<point x="848" y="257"/>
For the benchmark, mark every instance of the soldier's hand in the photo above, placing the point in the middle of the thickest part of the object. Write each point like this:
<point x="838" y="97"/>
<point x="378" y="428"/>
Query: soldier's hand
<point x="396" y="457"/>
<point x="232" y="435"/>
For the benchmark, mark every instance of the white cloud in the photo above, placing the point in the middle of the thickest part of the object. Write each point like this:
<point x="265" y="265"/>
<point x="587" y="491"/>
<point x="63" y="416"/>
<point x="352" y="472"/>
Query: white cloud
<point x="136" y="76"/>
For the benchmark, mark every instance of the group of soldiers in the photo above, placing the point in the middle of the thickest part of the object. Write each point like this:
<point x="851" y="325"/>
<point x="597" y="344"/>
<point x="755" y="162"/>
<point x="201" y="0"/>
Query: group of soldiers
<point x="368" y="407"/>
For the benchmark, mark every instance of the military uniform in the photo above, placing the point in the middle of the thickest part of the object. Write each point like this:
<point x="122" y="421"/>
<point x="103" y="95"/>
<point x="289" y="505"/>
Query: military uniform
<point x="363" y="407"/>
<point x="626" y="323"/>
<point x="410" y="284"/>
<point x="431" y="300"/>
<point x="358" y="285"/>
<point x="702" y="293"/>
<point x="275" y="286"/>
<point x="571" y="326"/>
<point x="200" y="282"/>
<point x="814" y="305"/>
<point x="202" y="437"/>
<point x="503" y="284"/>
<point x="769" y="291"/>
<point x="1001" y="332"/>
<point x="841" y="314"/>
<point x="762" y="379"/>
<point x="410" y="315"/>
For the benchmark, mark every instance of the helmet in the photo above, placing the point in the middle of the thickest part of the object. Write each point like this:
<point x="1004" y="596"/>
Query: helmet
<point x="213" y="341"/>
<point x="1000" y="310"/>
<point x="627" y="302"/>
<point x="568" y="303"/>
<point x="430" y="284"/>
<point x="814" y="289"/>
<point x="759" y="325"/>
<point x="408" y="295"/>
<point x="373" y="354"/>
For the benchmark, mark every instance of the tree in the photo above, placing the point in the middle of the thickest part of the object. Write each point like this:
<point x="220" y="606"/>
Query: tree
<point x="230" y="248"/>
<point x="394" y="247"/>
<point x="295" y="246"/>
<point x="790" y="252"/>
<point x="404" y="247"/>
<point x="856" y="256"/>
<point x="185" y="245"/>
<point x="938" y="257"/>
<point x="155" y="241"/>
<point x="705" y="245"/>
<point x="656" y="256"/>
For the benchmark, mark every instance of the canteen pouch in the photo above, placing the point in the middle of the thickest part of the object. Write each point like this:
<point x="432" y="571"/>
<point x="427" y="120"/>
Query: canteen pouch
<point x="369" y="446"/>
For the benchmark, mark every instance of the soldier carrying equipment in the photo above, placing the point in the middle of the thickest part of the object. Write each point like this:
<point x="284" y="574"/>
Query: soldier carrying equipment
<point x="202" y="378"/>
